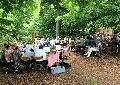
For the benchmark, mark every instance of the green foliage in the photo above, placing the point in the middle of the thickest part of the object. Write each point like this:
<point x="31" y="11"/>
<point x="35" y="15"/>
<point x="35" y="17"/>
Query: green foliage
<point x="6" y="39"/>
<point x="76" y="17"/>
<point x="91" y="14"/>
<point x="17" y="16"/>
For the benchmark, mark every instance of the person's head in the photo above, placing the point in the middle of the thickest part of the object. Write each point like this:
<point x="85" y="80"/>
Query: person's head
<point x="40" y="47"/>
<point x="81" y="37"/>
<point x="91" y="37"/>
<point x="13" y="46"/>
<point x="5" y="44"/>
<point x="48" y="39"/>
<point x="24" y="43"/>
<point x="108" y="35"/>
<point x="53" y="52"/>
<point x="8" y="47"/>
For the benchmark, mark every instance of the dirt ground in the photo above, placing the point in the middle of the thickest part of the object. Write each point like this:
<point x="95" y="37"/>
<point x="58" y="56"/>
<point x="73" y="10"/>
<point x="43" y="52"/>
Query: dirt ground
<point x="84" y="71"/>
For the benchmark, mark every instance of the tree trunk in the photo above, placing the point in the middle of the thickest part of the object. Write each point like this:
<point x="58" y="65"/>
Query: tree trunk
<point x="57" y="29"/>
<point x="58" y="23"/>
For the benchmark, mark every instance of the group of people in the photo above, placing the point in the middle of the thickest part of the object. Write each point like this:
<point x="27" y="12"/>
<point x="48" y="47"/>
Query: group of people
<point x="41" y="48"/>
<point x="97" y="43"/>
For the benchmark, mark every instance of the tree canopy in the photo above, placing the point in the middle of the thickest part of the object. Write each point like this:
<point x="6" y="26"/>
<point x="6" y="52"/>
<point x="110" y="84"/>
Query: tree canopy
<point x="18" y="18"/>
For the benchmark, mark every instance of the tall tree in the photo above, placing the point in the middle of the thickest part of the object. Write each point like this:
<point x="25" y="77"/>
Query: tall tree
<point x="56" y="4"/>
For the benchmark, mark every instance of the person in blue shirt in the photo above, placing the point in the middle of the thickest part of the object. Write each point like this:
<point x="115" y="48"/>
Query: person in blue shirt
<point x="92" y="47"/>
<point x="47" y="43"/>
<point x="92" y="42"/>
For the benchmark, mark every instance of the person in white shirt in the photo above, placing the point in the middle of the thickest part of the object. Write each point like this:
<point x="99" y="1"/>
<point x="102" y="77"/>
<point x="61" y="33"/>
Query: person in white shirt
<point x="29" y="47"/>
<point x="40" y="52"/>
<point x="43" y="59"/>
<point x="42" y="41"/>
<point x="52" y="42"/>
<point x="57" y="41"/>
<point x="29" y="53"/>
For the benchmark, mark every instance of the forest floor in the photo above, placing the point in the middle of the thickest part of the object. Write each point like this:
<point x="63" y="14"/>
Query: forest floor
<point x="83" y="71"/>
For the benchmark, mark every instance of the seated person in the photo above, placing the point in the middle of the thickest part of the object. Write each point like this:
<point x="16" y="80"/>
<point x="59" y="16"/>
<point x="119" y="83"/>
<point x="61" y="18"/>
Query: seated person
<point x="72" y="45"/>
<point x="40" y="52"/>
<point x="57" y="41"/>
<point x="36" y="47"/>
<point x="16" y="53"/>
<point x="92" y="47"/>
<point x="23" y="47"/>
<point x="52" y="42"/>
<point x="29" y="53"/>
<point x="8" y="53"/>
<point x="82" y="42"/>
<point x="58" y="47"/>
<point x="53" y="58"/>
<point x="47" y="43"/>
<point x="29" y="46"/>
<point x="65" y="44"/>
<point x="47" y="46"/>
